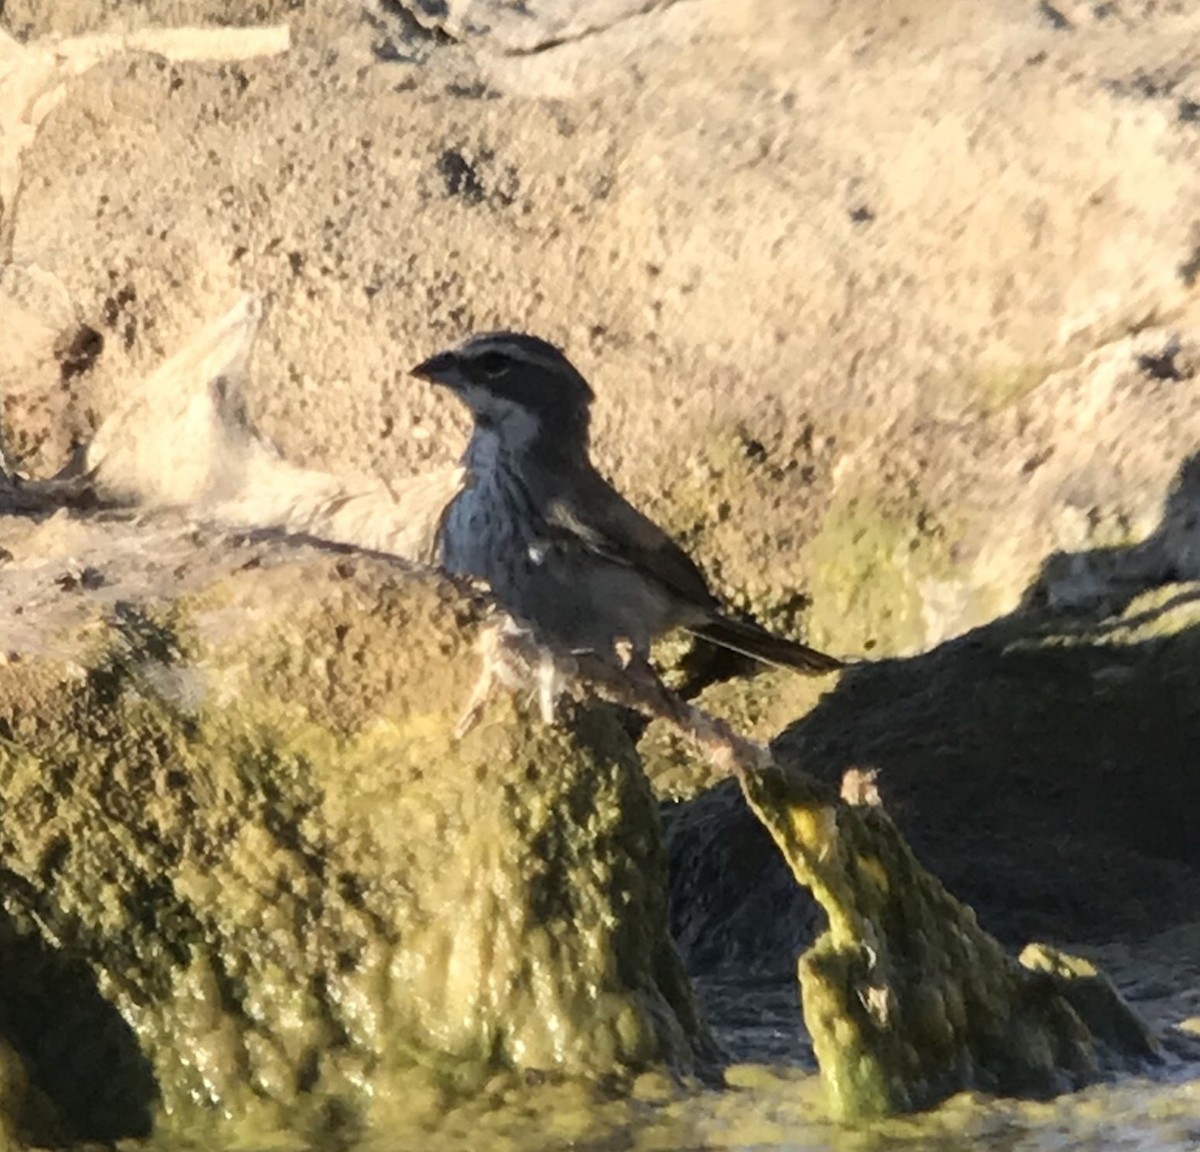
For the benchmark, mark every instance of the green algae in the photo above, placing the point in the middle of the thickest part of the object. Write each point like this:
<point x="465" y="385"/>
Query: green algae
<point x="1096" y="1000"/>
<point x="249" y="818"/>
<point x="773" y="1110"/>
<point x="907" y="1000"/>
<point x="867" y="568"/>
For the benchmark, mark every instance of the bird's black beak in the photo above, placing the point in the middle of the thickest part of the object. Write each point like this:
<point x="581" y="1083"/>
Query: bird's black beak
<point x="439" y="369"/>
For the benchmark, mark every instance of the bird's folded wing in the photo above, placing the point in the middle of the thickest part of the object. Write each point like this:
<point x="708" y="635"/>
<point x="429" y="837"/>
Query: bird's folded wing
<point x="596" y="515"/>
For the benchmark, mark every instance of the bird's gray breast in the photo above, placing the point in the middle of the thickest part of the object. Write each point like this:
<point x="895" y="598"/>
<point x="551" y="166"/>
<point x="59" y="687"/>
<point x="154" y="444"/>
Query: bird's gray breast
<point x="491" y="522"/>
<point x="495" y="531"/>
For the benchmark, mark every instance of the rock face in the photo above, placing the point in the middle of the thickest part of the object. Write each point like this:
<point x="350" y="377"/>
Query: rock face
<point x="42" y="351"/>
<point x="238" y="814"/>
<point x="850" y="285"/>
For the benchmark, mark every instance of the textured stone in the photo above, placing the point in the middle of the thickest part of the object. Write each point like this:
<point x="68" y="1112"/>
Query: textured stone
<point x="233" y="796"/>
<point x="811" y="256"/>
<point x="906" y="999"/>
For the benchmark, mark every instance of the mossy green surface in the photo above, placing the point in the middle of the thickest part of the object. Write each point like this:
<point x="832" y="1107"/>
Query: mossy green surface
<point x="244" y="814"/>
<point x="907" y="1000"/>
<point x="744" y="501"/>
<point x="867" y="564"/>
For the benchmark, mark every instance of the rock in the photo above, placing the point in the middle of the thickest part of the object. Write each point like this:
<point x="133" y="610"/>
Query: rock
<point x="14" y="1085"/>
<point x="758" y="703"/>
<point x="1093" y="463"/>
<point x="1036" y="769"/>
<point x="818" y="389"/>
<point x="1036" y="765"/>
<point x="234" y="798"/>
<point x="906" y="999"/>
<point x="43" y="349"/>
<point x="44" y="421"/>
<point x="891" y="317"/>
<point x="1117" y="1032"/>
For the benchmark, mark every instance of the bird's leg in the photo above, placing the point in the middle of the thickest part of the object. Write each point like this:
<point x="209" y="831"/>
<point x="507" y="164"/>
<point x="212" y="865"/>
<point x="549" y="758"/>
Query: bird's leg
<point x="511" y="657"/>
<point x="551" y="684"/>
<point x="491" y="673"/>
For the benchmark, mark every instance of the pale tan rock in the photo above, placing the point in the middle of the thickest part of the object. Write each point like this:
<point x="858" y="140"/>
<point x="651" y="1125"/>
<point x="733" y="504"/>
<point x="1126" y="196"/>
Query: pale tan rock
<point x="807" y="255"/>
<point x="33" y="81"/>
<point x="183" y="441"/>
<point x="181" y="438"/>
<point x="1099" y="500"/>
<point x="38" y="325"/>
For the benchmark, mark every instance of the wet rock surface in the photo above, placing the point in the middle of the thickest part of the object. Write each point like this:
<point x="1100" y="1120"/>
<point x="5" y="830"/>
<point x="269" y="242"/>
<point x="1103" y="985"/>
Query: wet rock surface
<point x="247" y="870"/>
<point x="906" y="999"/>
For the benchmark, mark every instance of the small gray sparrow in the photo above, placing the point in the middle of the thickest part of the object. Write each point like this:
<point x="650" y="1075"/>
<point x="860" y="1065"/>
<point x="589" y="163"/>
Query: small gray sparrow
<point x="558" y="545"/>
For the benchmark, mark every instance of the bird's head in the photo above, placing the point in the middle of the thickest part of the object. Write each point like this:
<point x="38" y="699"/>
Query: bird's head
<point x="518" y="385"/>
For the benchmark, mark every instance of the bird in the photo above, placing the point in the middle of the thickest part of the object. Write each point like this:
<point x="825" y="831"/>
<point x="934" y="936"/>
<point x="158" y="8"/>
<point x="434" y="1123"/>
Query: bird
<point x="558" y="545"/>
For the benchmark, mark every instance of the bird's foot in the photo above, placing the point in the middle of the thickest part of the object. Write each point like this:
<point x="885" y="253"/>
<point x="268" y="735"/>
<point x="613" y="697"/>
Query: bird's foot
<point x="512" y="658"/>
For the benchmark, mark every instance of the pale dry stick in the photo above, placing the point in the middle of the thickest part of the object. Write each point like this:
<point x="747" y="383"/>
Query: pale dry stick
<point x="513" y="657"/>
<point x="639" y="687"/>
<point x="182" y="438"/>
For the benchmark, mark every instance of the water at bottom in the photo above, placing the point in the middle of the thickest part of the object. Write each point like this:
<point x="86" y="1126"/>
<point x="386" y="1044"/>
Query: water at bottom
<point x="772" y="1103"/>
<point x="767" y="1109"/>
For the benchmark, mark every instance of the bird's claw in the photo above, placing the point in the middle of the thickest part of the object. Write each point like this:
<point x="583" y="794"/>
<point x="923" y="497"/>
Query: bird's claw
<point x="511" y="657"/>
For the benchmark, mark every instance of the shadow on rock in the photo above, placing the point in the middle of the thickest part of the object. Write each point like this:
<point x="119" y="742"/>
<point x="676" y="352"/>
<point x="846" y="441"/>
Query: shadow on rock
<point x="72" y="488"/>
<point x="89" y="1078"/>
<point x="1102" y="582"/>
<point x="1043" y="766"/>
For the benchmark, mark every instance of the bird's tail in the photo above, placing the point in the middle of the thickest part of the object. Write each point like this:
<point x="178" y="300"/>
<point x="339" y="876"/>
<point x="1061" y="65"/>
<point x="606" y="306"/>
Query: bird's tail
<point x="756" y="642"/>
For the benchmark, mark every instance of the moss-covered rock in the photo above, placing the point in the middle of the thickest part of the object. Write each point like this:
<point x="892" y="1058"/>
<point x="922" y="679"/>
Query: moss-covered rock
<point x="1042" y="767"/>
<point x="869" y="564"/>
<point x="241" y="817"/>
<point x="14" y="1086"/>
<point x="906" y="998"/>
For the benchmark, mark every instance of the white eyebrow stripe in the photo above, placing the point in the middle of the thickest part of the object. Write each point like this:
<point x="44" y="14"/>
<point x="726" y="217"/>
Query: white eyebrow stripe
<point x="482" y="345"/>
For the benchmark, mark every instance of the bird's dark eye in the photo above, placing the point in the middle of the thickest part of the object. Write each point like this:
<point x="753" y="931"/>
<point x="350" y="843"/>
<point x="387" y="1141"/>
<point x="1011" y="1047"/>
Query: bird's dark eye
<point x="492" y="364"/>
